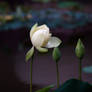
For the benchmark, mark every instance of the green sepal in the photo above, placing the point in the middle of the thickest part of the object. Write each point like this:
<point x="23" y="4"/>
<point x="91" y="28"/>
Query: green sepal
<point x="42" y="50"/>
<point x="29" y="54"/>
<point x="46" y="89"/>
<point x="56" y="54"/>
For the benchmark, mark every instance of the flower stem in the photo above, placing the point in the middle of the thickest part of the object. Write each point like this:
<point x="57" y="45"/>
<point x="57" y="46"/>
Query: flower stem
<point x="31" y="64"/>
<point x="80" y="70"/>
<point x="57" y="75"/>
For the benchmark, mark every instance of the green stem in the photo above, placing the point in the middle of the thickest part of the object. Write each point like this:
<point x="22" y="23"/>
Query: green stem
<point x="31" y="64"/>
<point x="80" y="70"/>
<point x="57" y="75"/>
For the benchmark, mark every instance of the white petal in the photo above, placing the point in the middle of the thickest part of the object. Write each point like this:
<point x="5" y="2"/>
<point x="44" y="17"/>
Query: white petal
<point x="40" y="37"/>
<point x="53" y="42"/>
<point x="43" y="27"/>
<point x="33" y="30"/>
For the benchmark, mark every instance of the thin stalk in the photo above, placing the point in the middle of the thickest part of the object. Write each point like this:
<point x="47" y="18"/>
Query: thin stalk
<point x="57" y="70"/>
<point x="80" y="70"/>
<point x="31" y="67"/>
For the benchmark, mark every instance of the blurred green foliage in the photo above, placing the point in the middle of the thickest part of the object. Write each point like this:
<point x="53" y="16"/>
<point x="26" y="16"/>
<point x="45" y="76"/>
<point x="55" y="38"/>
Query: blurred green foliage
<point x="51" y="17"/>
<point x="74" y="85"/>
<point x="87" y="69"/>
<point x="70" y="5"/>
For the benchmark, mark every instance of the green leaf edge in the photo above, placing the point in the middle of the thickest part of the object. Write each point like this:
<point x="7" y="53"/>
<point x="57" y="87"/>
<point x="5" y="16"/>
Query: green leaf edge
<point x="46" y="89"/>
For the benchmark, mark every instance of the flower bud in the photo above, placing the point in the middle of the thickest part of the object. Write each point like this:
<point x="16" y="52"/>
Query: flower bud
<point x="56" y="54"/>
<point x="80" y="50"/>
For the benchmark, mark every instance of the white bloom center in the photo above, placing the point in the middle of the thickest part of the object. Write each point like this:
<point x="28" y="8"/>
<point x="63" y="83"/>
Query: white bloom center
<point x="40" y="38"/>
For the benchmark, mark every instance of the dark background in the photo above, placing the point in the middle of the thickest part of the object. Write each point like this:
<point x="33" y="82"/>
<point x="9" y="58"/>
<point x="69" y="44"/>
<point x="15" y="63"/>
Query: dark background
<point x="15" y="73"/>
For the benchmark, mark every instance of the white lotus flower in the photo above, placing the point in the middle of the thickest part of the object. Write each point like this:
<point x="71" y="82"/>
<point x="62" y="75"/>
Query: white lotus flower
<point x="41" y="38"/>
